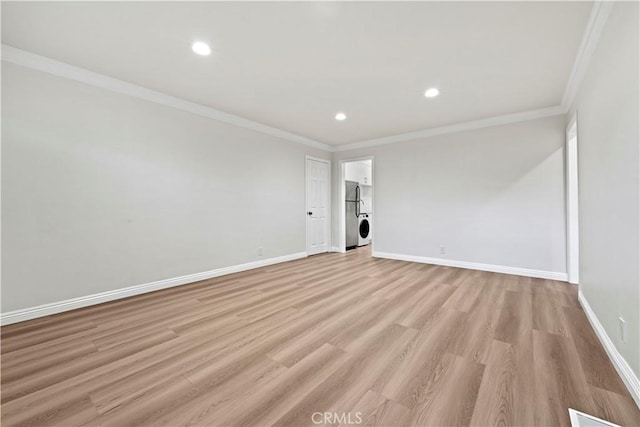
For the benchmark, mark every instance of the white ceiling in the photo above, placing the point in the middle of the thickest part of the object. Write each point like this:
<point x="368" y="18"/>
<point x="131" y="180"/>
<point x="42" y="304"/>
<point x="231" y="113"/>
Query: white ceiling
<point x="294" y="65"/>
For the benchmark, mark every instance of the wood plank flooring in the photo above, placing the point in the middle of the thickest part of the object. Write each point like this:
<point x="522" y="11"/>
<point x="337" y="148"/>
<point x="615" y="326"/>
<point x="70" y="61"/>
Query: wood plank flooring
<point x="378" y="341"/>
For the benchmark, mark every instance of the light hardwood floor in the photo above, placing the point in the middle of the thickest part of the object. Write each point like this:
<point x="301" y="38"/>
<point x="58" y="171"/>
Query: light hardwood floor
<point x="400" y="343"/>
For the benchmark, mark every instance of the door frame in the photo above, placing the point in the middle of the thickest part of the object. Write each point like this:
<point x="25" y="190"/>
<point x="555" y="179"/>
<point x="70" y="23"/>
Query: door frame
<point x="306" y="201"/>
<point x="572" y="200"/>
<point x="342" y="238"/>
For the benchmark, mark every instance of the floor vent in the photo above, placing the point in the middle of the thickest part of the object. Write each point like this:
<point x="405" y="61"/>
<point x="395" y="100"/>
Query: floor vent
<point x="580" y="419"/>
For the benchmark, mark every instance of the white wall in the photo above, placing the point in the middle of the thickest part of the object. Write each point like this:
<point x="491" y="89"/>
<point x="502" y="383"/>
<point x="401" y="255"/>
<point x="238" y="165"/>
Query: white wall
<point x="491" y="196"/>
<point x="101" y="191"/>
<point x="608" y="166"/>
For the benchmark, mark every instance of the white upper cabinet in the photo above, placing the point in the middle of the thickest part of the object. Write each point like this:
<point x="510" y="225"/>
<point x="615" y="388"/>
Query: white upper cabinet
<point x="351" y="172"/>
<point x="359" y="172"/>
<point x="364" y="174"/>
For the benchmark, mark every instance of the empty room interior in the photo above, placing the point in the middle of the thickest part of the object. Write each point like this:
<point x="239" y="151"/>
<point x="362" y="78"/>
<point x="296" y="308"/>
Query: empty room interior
<point x="320" y="213"/>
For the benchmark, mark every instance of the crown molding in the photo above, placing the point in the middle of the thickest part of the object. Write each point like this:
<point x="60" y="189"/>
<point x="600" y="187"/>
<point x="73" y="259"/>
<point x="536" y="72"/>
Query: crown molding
<point x="458" y="127"/>
<point x="590" y="38"/>
<point x="71" y="72"/>
<point x="588" y="44"/>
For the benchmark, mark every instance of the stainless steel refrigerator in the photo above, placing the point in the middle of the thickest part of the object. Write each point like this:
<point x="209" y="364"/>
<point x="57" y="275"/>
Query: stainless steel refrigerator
<point x="352" y="212"/>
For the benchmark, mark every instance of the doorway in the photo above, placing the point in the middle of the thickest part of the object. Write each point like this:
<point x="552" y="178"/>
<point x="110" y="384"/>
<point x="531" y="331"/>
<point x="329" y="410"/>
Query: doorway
<point x="573" y="241"/>
<point x="356" y="216"/>
<point x="317" y="204"/>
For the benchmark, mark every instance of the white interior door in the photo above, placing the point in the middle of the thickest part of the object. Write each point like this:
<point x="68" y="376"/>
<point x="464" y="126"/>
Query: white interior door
<point x="317" y="206"/>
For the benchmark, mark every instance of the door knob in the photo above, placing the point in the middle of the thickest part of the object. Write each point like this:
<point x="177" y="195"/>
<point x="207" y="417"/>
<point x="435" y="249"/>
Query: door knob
<point x="309" y="213"/>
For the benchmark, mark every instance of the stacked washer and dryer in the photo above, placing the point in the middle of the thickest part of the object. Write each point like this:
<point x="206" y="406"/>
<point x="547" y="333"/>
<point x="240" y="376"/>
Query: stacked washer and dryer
<point x="358" y="206"/>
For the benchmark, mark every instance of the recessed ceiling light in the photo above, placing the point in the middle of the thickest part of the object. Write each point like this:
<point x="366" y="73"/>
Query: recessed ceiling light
<point x="432" y="92"/>
<point x="341" y="116"/>
<point x="201" y="48"/>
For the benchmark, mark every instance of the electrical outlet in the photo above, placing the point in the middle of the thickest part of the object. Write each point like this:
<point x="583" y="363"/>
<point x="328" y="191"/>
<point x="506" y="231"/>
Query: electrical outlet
<point x="260" y="251"/>
<point x="623" y="329"/>
<point x="443" y="250"/>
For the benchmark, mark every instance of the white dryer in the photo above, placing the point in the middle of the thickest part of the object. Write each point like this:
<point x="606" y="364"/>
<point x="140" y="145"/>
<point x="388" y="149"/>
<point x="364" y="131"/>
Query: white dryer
<point x="364" y="229"/>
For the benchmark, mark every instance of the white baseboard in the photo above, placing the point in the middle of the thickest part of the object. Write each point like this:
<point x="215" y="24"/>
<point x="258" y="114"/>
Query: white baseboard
<point x="552" y="275"/>
<point x="624" y="370"/>
<point x="71" y="304"/>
